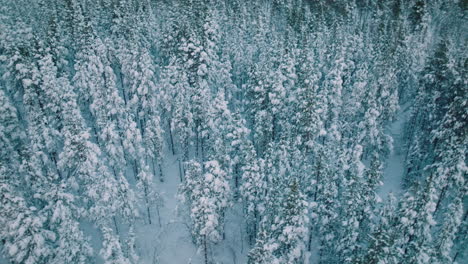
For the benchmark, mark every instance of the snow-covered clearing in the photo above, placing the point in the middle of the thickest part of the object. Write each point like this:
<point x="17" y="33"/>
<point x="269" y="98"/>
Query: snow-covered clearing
<point x="394" y="166"/>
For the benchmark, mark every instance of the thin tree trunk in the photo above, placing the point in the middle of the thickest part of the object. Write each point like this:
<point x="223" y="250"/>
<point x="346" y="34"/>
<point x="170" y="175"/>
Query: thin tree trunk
<point x="224" y="225"/>
<point x="153" y="166"/>
<point x="196" y="142"/>
<point x="96" y="134"/>
<point x="455" y="257"/>
<point x="181" y="171"/>
<point x="236" y="180"/>
<point x="205" y="249"/>
<point x="54" y="159"/>
<point x="159" y="215"/>
<point x="316" y="186"/>
<point x="135" y="169"/>
<point x="255" y="225"/>
<point x="115" y="173"/>
<point x="441" y="197"/>
<point x="142" y="126"/>
<point x="309" y="245"/>
<point x="161" y="176"/>
<point x="201" y="150"/>
<point x="147" y="205"/>
<point x="123" y="89"/>
<point x="115" y="225"/>
<point x="171" y="138"/>
<point x="273" y="132"/>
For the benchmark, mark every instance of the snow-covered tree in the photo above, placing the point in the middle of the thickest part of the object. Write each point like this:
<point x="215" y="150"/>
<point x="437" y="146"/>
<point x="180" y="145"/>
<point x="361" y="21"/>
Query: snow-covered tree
<point x="207" y="193"/>
<point x="253" y="191"/>
<point x="292" y="225"/>
<point x="382" y="236"/>
<point x="72" y="245"/>
<point x="154" y="142"/>
<point x="26" y="238"/>
<point x="283" y="109"/>
<point x="111" y="249"/>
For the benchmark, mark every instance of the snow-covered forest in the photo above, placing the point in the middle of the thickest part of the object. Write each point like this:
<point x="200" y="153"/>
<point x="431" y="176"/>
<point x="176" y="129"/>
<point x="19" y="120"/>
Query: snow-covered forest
<point x="233" y="131"/>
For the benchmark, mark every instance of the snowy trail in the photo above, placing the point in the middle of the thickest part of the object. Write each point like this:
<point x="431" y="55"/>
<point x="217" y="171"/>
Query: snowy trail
<point x="172" y="242"/>
<point x="394" y="166"/>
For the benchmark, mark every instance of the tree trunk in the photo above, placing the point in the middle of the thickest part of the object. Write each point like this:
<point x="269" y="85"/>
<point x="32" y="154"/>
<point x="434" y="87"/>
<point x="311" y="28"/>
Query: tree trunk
<point x="159" y="215"/>
<point x="147" y="205"/>
<point x="161" y="176"/>
<point x="153" y="166"/>
<point x="123" y="88"/>
<point x="142" y="126"/>
<point x="320" y="252"/>
<point x="316" y="186"/>
<point x="54" y="159"/>
<point x="441" y="197"/>
<point x="171" y="138"/>
<point x="205" y="249"/>
<point x="309" y="244"/>
<point x="96" y="134"/>
<point x="135" y="170"/>
<point x="255" y="226"/>
<point x="202" y="150"/>
<point x="115" y="225"/>
<point x="196" y="142"/>
<point x="181" y="172"/>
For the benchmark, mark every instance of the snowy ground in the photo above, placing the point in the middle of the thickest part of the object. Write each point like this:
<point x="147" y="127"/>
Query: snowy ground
<point x="394" y="166"/>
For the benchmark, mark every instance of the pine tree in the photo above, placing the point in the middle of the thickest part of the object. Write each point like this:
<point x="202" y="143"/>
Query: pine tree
<point x="311" y="103"/>
<point x="353" y="209"/>
<point x="293" y="226"/>
<point x="131" y="248"/>
<point x="24" y="232"/>
<point x="73" y="246"/>
<point x="382" y="236"/>
<point x="262" y="252"/>
<point x="111" y="250"/>
<point x="208" y="196"/>
<point x="443" y="249"/>
<point x="11" y="135"/>
<point x="216" y="144"/>
<point x="253" y="191"/>
<point x="85" y="172"/>
<point x="181" y="118"/>
<point x="416" y="221"/>
<point x="154" y="142"/>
